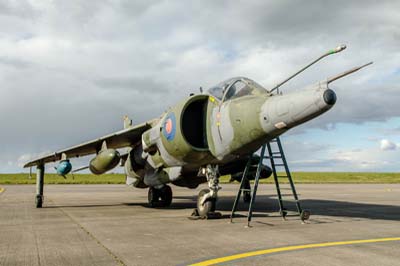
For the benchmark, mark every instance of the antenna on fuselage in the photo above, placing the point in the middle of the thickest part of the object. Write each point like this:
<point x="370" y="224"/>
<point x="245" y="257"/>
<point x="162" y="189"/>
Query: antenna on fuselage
<point x="333" y="51"/>
<point x="348" y="72"/>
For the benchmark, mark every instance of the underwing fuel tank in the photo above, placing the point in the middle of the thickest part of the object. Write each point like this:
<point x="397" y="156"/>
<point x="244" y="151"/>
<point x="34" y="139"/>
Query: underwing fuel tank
<point x="104" y="161"/>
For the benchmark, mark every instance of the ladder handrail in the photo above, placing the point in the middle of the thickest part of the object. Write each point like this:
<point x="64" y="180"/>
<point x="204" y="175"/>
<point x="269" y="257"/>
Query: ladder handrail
<point x="256" y="180"/>
<point x="288" y="172"/>
<point x="245" y="172"/>
<point x="277" y="186"/>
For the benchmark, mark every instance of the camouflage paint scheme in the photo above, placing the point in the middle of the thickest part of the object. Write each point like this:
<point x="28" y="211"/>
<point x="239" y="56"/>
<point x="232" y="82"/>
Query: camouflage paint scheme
<point x="234" y="125"/>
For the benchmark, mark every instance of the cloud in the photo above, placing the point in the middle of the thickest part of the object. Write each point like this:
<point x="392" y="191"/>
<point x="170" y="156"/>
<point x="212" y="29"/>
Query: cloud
<point x="70" y="70"/>
<point x="24" y="158"/>
<point x="387" y="145"/>
<point x="340" y="155"/>
<point x="367" y="159"/>
<point x="390" y="132"/>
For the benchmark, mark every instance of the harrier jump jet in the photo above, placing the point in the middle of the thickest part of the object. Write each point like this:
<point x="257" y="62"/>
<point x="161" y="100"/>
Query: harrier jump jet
<point x="202" y="137"/>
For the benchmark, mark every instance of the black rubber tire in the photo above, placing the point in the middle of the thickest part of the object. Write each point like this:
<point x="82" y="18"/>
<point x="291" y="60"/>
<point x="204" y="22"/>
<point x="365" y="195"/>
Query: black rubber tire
<point x="39" y="201"/>
<point x="246" y="196"/>
<point x="153" y="197"/>
<point x="166" y="196"/>
<point x="208" y="206"/>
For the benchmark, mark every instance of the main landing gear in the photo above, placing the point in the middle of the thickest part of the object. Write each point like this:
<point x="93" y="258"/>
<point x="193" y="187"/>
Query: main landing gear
<point x="160" y="197"/>
<point x="207" y="198"/>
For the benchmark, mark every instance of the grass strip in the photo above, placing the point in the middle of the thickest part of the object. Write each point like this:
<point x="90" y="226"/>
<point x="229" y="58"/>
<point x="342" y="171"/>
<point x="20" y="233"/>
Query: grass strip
<point x="298" y="177"/>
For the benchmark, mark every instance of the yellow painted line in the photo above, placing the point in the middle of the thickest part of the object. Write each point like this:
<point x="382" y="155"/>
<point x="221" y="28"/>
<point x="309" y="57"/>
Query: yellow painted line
<point x="291" y="248"/>
<point x="1" y="189"/>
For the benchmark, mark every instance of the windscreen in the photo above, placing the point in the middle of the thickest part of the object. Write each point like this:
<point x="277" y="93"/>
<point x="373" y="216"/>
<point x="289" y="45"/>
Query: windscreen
<point x="237" y="87"/>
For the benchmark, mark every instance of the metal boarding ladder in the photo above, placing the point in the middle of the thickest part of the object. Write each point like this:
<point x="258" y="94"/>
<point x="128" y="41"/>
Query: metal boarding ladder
<point x="273" y="156"/>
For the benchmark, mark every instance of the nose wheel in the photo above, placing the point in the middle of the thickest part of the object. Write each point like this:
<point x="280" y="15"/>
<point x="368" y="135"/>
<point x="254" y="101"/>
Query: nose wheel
<point x="203" y="209"/>
<point x="161" y="197"/>
<point x="207" y="198"/>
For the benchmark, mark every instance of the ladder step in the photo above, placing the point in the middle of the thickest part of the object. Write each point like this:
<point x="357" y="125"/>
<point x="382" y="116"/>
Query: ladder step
<point x="273" y="157"/>
<point x="246" y="189"/>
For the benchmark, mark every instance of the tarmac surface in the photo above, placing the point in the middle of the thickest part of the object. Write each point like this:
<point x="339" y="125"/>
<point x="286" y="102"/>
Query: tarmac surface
<point x="112" y="225"/>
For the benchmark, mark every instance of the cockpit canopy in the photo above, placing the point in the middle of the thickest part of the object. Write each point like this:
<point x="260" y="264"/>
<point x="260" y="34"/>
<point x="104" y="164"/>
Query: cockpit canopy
<point x="236" y="87"/>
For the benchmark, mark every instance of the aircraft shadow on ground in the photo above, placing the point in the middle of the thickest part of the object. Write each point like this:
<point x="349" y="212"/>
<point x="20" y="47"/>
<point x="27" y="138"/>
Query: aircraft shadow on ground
<point x="268" y="206"/>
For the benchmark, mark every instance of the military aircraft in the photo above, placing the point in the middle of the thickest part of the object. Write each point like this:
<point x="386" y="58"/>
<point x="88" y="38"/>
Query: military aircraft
<point x="202" y="137"/>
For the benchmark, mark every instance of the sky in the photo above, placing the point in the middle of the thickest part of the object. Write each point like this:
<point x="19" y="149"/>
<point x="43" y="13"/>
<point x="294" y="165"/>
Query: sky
<point x="70" y="70"/>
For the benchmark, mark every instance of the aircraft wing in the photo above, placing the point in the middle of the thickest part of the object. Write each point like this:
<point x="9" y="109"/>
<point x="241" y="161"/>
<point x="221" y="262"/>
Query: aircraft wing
<point x="119" y="139"/>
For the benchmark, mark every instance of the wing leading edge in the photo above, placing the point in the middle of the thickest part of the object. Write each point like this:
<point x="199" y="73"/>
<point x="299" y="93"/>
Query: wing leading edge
<point x="119" y="139"/>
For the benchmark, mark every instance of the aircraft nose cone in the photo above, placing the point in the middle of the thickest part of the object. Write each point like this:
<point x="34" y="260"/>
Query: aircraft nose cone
<point x="330" y="97"/>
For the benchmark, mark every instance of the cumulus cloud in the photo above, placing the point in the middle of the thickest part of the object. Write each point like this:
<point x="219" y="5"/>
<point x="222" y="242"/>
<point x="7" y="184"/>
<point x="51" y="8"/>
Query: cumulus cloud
<point x="387" y="145"/>
<point x="317" y="156"/>
<point x="368" y="159"/>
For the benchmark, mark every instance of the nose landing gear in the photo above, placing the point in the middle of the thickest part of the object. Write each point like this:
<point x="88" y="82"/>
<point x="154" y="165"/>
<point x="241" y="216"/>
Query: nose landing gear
<point x="207" y="199"/>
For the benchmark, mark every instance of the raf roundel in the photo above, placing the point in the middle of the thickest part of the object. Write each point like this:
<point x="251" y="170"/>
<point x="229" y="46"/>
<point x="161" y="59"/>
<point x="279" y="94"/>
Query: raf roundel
<point x="169" y="127"/>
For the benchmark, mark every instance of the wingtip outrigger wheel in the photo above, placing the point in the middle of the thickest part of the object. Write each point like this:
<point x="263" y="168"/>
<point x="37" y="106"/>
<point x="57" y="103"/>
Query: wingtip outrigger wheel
<point x="39" y="201"/>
